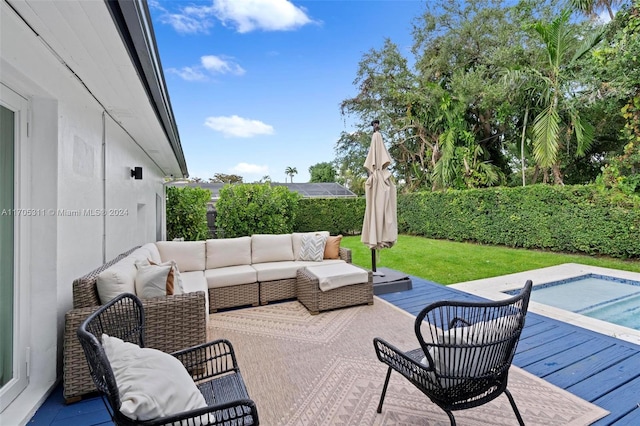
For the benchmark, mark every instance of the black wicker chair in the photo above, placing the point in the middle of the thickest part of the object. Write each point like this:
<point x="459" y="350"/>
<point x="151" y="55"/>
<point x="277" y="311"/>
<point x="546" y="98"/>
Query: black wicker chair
<point x="212" y="365"/>
<point x="465" y="361"/>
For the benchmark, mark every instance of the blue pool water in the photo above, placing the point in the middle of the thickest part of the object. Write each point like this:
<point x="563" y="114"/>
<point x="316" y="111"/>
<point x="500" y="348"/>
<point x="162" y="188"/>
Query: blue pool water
<point x="610" y="299"/>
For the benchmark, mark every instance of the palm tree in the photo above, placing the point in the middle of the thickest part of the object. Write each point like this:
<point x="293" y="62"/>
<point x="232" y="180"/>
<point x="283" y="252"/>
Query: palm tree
<point x="290" y="171"/>
<point x="559" y="119"/>
<point x="591" y="7"/>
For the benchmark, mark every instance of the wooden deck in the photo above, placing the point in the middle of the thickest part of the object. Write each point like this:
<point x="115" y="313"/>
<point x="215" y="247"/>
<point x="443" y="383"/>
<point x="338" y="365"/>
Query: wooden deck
<point x="592" y="366"/>
<point x="595" y="367"/>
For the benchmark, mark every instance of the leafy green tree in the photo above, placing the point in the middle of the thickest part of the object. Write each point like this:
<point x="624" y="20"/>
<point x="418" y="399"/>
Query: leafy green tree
<point x="620" y="61"/>
<point x="322" y="172"/>
<point x="460" y="51"/>
<point x="224" y="178"/>
<point x="592" y="7"/>
<point x="246" y="209"/>
<point x="187" y="213"/>
<point x="290" y="171"/>
<point x="560" y="121"/>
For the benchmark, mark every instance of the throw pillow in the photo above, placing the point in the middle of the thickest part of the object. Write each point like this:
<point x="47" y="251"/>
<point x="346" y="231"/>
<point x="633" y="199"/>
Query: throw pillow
<point x="174" y="276"/>
<point x="156" y="280"/>
<point x="332" y="247"/>
<point x="151" y="383"/>
<point x="312" y="248"/>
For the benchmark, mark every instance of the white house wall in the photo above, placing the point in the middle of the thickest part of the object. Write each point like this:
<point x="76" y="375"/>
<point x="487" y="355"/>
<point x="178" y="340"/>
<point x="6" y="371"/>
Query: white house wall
<point x="67" y="178"/>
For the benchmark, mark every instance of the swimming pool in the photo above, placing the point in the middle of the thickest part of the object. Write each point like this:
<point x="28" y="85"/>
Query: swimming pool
<point x="594" y="315"/>
<point x="602" y="297"/>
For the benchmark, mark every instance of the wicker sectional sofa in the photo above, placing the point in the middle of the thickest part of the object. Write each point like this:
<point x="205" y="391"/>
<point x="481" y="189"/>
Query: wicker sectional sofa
<point x="215" y="274"/>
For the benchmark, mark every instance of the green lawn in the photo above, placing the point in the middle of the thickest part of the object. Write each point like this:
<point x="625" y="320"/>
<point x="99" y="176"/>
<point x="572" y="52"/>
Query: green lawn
<point x="448" y="262"/>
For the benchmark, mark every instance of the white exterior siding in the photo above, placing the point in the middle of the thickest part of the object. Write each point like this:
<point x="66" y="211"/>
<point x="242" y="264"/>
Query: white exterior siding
<point x="67" y="172"/>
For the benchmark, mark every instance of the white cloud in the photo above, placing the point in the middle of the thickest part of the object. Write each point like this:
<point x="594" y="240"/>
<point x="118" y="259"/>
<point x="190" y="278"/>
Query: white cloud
<point x="210" y="64"/>
<point x="268" y="15"/>
<point x="238" y="127"/>
<point x="221" y="65"/>
<point x="252" y="169"/>
<point x="186" y="24"/>
<point x="188" y="73"/>
<point x="245" y="16"/>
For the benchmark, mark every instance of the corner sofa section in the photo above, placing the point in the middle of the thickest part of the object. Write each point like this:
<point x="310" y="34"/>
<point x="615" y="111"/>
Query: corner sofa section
<point x="242" y="271"/>
<point x="215" y="274"/>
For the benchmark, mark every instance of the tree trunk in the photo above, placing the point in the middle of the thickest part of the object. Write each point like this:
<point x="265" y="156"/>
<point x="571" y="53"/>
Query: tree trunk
<point x="536" y="173"/>
<point x="524" y="130"/>
<point x="557" y="175"/>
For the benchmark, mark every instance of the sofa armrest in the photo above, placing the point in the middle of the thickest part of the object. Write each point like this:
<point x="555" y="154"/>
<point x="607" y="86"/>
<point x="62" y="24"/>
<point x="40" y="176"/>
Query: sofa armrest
<point x="345" y="254"/>
<point x="171" y="323"/>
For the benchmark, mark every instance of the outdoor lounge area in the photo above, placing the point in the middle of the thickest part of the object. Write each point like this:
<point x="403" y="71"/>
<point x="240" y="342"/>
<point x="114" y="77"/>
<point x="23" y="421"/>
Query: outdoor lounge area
<point x="590" y="366"/>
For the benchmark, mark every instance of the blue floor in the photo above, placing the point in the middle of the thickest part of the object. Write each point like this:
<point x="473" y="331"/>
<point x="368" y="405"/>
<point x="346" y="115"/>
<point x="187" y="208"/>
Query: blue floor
<point x="592" y="366"/>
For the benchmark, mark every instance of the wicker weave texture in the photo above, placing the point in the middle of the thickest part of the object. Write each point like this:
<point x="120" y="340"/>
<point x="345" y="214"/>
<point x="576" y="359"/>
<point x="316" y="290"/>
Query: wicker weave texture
<point x="345" y="254"/>
<point x="315" y="300"/>
<point x="271" y="291"/>
<point x="172" y="323"/>
<point x="233" y="296"/>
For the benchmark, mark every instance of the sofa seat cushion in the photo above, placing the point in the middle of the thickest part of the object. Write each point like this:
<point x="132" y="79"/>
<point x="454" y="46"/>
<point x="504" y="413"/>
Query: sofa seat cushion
<point x="194" y="281"/>
<point x="230" y="276"/>
<point x="337" y="275"/>
<point x="271" y="271"/>
<point x="271" y="248"/>
<point x="228" y="252"/>
<point x="189" y="255"/>
<point x="303" y="263"/>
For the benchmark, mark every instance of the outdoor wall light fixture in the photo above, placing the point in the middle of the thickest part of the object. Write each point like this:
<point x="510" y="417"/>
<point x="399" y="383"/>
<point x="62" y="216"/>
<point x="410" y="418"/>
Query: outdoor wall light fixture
<point x="136" y="173"/>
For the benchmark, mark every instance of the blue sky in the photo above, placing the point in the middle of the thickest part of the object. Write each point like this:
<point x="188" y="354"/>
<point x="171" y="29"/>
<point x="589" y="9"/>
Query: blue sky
<point x="256" y="85"/>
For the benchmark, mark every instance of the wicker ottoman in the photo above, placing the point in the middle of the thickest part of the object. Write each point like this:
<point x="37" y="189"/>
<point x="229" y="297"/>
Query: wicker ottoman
<point x="315" y="300"/>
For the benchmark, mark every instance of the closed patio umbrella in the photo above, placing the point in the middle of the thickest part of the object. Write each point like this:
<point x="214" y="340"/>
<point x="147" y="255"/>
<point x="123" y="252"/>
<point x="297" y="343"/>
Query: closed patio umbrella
<point x="380" y="226"/>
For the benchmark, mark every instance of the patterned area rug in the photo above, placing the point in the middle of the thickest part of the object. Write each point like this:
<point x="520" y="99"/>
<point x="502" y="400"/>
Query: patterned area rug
<point x="304" y="369"/>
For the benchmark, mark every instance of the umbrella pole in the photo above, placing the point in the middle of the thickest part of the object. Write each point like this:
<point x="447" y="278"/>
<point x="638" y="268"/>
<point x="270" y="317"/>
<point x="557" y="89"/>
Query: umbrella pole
<point x="373" y="260"/>
<point x="373" y="264"/>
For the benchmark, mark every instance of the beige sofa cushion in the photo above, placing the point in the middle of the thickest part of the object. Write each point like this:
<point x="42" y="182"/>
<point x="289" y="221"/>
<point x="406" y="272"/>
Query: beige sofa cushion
<point x="154" y="254"/>
<point x="338" y="275"/>
<point x="189" y="255"/>
<point x="117" y="279"/>
<point x="270" y="271"/>
<point x="271" y="248"/>
<point x="194" y="281"/>
<point x="230" y="275"/>
<point x="296" y="241"/>
<point x="228" y="252"/>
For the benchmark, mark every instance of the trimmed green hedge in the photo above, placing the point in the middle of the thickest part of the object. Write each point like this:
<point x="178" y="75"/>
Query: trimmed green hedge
<point x="187" y="213"/>
<point x="566" y="219"/>
<point x="336" y="215"/>
<point x="246" y="209"/>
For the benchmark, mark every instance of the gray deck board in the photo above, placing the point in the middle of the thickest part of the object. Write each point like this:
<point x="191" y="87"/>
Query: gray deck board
<point x="592" y="366"/>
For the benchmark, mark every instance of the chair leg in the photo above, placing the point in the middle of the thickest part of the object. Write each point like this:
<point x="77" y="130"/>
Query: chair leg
<point x="451" y="418"/>
<point x="515" y="409"/>
<point x="384" y="390"/>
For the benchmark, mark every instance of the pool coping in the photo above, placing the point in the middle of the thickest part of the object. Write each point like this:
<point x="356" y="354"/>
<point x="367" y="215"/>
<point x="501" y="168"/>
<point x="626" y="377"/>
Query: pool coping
<point x="495" y="289"/>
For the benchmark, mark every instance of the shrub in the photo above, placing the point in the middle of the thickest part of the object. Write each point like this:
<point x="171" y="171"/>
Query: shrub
<point x="567" y="219"/>
<point x="336" y="215"/>
<point x="187" y="213"/>
<point x="246" y="209"/>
